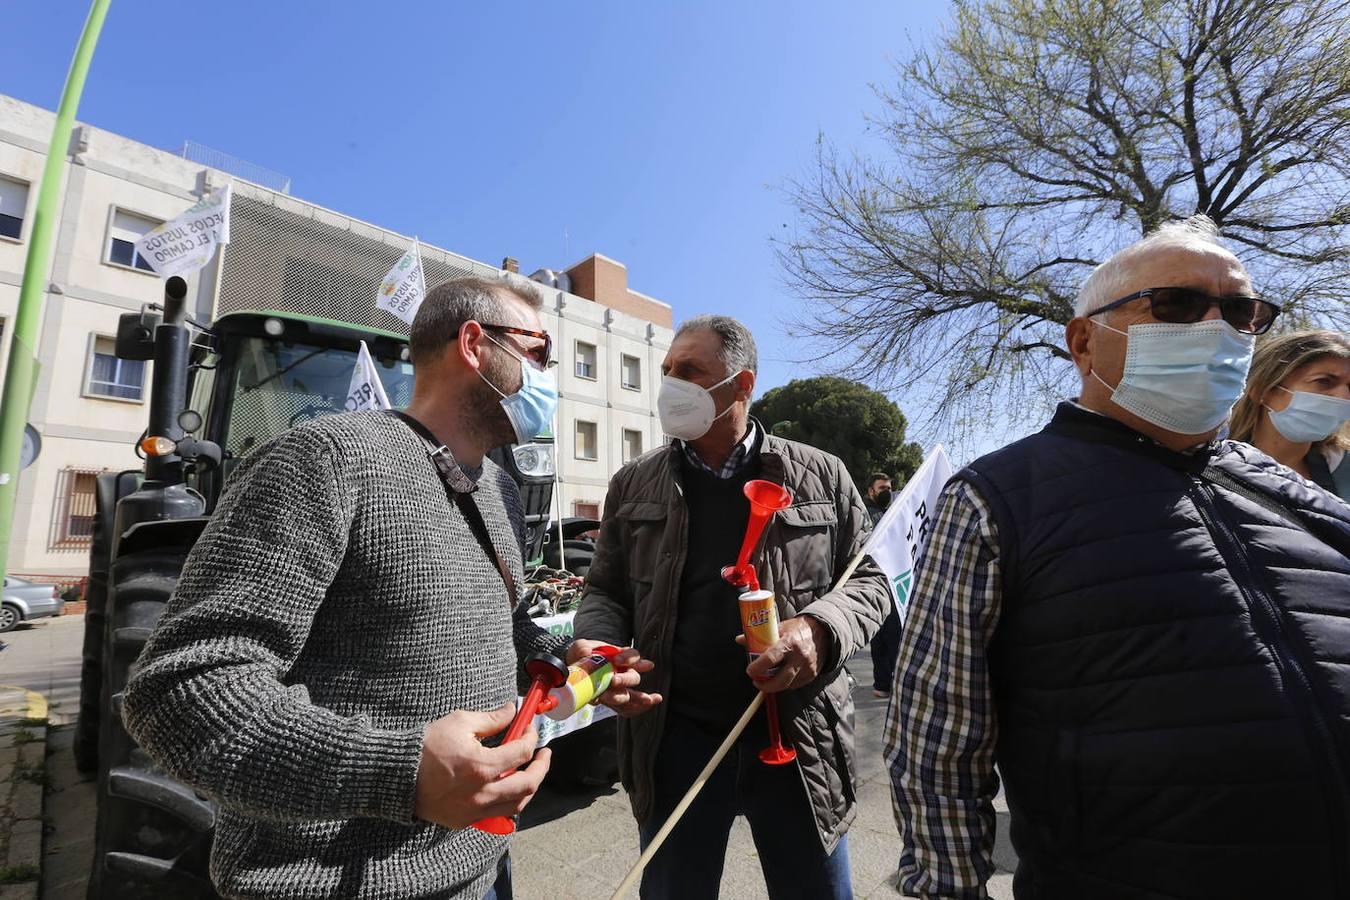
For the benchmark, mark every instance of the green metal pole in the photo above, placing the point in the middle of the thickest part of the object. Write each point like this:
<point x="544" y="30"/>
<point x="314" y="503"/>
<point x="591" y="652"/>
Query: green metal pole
<point x="21" y="377"/>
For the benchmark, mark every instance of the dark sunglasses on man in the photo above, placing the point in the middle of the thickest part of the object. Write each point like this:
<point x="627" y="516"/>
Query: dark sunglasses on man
<point x="1180" y="305"/>
<point x="541" y="355"/>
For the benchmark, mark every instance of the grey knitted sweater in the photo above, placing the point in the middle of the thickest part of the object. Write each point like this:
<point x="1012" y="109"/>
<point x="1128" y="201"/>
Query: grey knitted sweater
<point x="335" y="605"/>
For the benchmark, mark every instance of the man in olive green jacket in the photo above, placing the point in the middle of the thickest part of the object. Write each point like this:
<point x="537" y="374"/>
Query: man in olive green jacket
<point x="672" y="519"/>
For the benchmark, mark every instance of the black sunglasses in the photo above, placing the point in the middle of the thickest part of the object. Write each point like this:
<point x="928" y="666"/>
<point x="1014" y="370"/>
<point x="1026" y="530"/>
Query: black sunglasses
<point x="541" y="355"/>
<point x="1179" y="305"/>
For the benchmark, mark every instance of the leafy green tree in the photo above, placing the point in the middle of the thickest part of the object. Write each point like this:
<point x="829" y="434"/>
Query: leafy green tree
<point x="861" y="426"/>
<point x="1030" y="139"/>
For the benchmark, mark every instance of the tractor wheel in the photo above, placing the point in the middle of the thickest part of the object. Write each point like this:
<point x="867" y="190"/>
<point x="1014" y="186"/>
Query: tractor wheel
<point x="153" y="834"/>
<point x="95" y="619"/>
<point x="579" y="554"/>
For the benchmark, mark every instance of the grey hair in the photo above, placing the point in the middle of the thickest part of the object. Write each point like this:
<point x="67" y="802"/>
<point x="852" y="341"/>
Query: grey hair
<point x="738" y="351"/>
<point x="452" y="303"/>
<point x="1107" y="281"/>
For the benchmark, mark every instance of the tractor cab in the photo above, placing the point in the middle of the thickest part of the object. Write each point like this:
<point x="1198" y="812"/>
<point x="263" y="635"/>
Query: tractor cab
<point x="256" y="374"/>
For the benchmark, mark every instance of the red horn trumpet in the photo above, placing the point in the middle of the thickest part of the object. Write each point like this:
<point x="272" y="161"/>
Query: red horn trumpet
<point x="546" y="672"/>
<point x="766" y="498"/>
<point x="759" y="609"/>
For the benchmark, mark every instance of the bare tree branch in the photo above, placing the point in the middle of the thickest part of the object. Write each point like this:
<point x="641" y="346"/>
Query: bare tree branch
<point x="1033" y="138"/>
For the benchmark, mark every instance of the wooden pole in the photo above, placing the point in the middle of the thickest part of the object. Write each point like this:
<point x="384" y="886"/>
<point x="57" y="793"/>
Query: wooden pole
<point x="688" y="797"/>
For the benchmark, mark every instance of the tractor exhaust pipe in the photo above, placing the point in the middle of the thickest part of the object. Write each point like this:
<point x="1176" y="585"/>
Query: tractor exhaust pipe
<point x="168" y="386"/>
<point x="175" y="293"/>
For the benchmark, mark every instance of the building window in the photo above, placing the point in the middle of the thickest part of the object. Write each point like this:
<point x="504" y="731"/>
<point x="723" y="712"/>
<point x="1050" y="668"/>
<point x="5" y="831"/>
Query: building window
<point x="587" y="443"/>
<point x="13" y="207"/>
<point x="126" y="229"/>
<point x="632" y="444"/>
<point x="118" y="379"/>
<point x="585" y="360"/>
<point x="585" y="509"/>
<point x="630" y="372"/>
<point x="74" y="527"/>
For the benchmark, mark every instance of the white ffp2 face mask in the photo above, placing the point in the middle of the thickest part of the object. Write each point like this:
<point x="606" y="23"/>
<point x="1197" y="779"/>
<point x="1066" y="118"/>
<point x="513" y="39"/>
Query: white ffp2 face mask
<point x="687" y="410"/>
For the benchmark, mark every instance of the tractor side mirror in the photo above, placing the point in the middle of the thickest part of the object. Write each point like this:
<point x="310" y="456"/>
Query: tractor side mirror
<point x="136" y="335"/>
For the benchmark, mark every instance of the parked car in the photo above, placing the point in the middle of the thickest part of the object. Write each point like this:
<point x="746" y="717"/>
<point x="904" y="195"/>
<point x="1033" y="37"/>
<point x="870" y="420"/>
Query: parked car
<point x="25" y="600"/>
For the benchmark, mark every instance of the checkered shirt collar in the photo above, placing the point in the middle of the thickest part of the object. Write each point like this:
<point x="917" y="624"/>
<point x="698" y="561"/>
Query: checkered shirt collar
<point x="740" y="455"/>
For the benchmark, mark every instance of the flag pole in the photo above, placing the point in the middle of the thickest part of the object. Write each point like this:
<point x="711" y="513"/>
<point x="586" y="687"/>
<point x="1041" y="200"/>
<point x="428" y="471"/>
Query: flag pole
<point x="21" y="376"/>
<point x="421" y="270"/>
<point x="853" y="564"/>
<point x="688" y="797"/>
<point x="557" y="491"/>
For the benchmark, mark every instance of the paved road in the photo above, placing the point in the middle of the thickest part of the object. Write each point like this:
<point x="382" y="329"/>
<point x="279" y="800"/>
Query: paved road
<point x="571" y="845"/>
<point x="584" y="845"/>
<point x="44" y="656"/>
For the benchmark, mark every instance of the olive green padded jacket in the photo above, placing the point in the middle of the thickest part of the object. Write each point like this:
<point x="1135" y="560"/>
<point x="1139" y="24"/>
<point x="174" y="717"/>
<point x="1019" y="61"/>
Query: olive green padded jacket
<point x="634" y="582"/>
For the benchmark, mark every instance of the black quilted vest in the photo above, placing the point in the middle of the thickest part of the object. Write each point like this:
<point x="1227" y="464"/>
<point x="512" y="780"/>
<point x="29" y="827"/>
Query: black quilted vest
<point x="1171" y="668"/>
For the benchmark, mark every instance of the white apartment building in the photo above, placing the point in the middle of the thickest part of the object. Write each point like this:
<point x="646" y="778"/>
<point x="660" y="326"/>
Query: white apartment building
<point x="285" y="254"/>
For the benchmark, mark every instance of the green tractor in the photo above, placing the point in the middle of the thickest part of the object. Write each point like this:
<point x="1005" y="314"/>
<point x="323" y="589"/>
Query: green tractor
<point x="217" y="394"/>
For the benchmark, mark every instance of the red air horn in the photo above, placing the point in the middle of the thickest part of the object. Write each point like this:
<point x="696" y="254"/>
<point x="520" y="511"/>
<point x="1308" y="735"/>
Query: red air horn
<point x="759" y="610"/>
<point x="766" y="498"/>
<point x="546" y="672"/>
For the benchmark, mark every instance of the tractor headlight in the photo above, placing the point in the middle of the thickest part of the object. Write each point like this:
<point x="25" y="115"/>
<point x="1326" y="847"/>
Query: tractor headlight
<point x="534" y="459"/>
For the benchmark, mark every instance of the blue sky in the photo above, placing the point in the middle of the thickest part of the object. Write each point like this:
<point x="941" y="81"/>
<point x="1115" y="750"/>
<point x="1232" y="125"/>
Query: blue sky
<point x="660" y="134"/>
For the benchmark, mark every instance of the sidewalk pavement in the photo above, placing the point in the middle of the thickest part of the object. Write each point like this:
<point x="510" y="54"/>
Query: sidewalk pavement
<point x="71" y="805"/>
<point x="44" y="656"/>
<point x="23" y="743"/>
<point x="582" y="845"/>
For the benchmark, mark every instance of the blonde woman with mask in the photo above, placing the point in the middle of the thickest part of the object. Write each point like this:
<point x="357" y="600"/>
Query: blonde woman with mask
<point x="1297" y="404"/>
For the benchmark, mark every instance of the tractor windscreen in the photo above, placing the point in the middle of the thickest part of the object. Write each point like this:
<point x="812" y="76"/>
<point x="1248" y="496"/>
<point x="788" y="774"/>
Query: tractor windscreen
<point x="278" y="385"/>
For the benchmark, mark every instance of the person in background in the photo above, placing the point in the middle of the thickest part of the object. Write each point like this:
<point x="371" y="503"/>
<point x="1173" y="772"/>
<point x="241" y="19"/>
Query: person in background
<point x="878" y="495"/>
<point x="1142" y="627"/>
<point x="1297" y="406"/>
<point x="886" y="644"/>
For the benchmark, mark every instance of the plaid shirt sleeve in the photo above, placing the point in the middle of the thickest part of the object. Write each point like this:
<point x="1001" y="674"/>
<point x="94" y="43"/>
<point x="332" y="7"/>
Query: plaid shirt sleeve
<point x="940" y="727"/>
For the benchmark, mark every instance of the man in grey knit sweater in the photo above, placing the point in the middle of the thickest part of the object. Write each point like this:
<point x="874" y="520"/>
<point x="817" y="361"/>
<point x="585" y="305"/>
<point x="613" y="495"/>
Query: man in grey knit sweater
<point x="339" y="641"/>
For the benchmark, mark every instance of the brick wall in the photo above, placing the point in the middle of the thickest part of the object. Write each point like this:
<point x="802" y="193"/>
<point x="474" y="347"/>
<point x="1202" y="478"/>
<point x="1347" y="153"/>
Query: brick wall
<point x="605" y="281"/>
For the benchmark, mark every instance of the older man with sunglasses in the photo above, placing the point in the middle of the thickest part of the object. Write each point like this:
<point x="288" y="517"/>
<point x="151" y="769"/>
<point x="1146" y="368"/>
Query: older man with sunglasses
<point x="1146" y="629"/>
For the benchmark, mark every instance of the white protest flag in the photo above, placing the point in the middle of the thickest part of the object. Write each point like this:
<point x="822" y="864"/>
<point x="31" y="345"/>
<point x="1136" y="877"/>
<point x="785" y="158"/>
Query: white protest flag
<point x="366" y="392"/>
<point x="187" y="243"/>
<point x="897" y="541"/>
<point x="403" y="288"/>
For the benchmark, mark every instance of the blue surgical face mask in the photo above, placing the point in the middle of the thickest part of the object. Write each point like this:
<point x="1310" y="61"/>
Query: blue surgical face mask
<point x="1184" y="378"/>
<point x="1310" y="417"/>
<point x="531" y="408"/>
